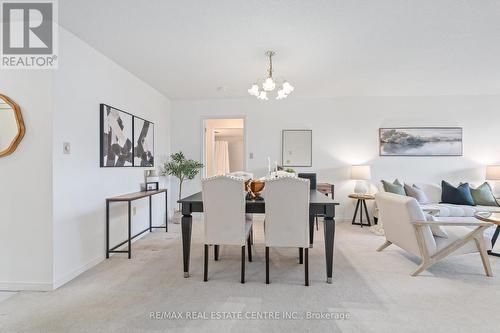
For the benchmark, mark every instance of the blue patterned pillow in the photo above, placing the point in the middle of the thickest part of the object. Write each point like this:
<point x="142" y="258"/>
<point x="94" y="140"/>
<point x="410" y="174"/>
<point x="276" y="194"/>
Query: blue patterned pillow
<point x="456" y="195"/>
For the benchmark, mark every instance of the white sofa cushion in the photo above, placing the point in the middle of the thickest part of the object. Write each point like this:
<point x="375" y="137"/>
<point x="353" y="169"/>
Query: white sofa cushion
<point x="450" y="210"/>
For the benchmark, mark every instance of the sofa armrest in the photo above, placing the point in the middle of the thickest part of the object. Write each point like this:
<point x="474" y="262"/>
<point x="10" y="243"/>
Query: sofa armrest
<point x="453" y="223"/>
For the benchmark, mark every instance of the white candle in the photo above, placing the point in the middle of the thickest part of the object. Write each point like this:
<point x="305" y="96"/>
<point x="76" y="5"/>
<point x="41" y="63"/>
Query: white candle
<point x="268" y="165"/>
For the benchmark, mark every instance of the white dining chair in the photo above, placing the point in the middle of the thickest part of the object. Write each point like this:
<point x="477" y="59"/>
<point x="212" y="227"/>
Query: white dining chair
<point x="225" y="220"/>
<point x="287" y="217"/>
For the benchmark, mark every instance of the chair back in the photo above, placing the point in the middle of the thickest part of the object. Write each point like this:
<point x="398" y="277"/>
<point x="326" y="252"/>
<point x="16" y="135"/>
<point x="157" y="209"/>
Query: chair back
<point x="312" y="178"/>
<point x="224" y="210"/>
<point x="397" y="213"/>
<point x="287" y="212"/>
<point x="241" y="174"/>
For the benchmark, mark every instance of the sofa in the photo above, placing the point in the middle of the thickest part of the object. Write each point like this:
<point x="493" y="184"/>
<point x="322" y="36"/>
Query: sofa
<point x="441" y="211"/>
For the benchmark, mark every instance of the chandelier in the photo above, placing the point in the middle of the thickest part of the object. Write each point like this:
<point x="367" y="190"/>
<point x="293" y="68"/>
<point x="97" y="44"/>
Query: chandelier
<point x="269" y="84"/>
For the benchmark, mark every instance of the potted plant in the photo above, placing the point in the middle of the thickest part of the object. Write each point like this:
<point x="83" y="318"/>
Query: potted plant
<point x="183" y="169"/>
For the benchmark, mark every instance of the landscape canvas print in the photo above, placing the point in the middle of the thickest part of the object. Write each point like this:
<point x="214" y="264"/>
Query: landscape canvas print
<point x="421" y="141"/>
<point x="116" y="137"/>
<point x="143" y="143"/>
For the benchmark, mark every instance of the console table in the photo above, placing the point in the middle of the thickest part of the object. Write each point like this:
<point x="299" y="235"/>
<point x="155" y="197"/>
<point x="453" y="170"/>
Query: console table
<point x="129" y="198"/>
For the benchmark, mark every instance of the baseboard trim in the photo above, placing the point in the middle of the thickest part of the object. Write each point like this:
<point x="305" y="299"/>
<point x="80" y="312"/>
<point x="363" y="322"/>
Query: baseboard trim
<point x="71" y="275"/>
<point x="25" y="286"/>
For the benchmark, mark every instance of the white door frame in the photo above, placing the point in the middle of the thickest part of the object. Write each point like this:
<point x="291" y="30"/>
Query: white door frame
<point x="202" y="131"/>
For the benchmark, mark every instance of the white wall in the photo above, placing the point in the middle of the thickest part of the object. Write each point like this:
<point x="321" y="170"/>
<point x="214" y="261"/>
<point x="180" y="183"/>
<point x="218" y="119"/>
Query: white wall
<point x="26" y="186"/>
<point x="85" y="79"/>
<point x="345" y="132"/>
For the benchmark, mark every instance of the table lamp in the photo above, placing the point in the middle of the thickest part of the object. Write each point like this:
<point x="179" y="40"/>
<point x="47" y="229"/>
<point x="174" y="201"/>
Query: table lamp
<point x="493" y="172"/>
<point x="361" y="173"/>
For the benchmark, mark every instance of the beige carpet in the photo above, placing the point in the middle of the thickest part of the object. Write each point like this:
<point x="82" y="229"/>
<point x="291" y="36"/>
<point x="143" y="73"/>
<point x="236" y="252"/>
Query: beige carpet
<point x="372" y="291"/>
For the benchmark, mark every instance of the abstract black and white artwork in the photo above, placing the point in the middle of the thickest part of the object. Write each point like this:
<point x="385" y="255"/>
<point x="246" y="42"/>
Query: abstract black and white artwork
<point x="116" y="137"/>
<point x="143" y="143"/>
<point x="421" y="141"/>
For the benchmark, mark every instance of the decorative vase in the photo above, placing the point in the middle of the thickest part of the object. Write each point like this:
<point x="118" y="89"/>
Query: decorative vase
<point x="360" y="187"/>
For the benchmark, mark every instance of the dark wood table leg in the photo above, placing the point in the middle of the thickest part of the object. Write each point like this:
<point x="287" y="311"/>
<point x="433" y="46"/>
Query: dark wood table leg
<point x="166" y="211"/>
<point x="329" y="228"/>
<point x="186" y="225"/>
<point x="355" y="213"/>
<point x="311" y="230"/>
<point x="216" y="252"/>
<point x="107" y="229"/>
<point x="493" y="241"/>
<point x="129" y="229"/>
<point x="367" y="216"/>
<point x="150" y="214"/>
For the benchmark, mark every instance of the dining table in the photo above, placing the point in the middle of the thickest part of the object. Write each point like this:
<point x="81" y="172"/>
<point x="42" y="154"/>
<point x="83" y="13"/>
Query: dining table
<point x="319" y="204"/>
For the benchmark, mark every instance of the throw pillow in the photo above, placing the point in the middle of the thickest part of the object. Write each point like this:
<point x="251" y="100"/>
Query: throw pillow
<point x="436" y="230"/>
<point x="417" y="193"/>
<point x="396" y="187"/>
<point x="456" y="195"/>
<point x="483" y="195"/>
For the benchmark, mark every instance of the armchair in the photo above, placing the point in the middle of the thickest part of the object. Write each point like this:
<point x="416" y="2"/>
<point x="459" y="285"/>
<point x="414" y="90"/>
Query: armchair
<point x="406" y="226"/>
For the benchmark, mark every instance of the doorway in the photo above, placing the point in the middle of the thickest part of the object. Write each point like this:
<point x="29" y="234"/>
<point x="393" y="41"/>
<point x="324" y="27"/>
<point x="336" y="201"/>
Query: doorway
<point x="224" y="146"/>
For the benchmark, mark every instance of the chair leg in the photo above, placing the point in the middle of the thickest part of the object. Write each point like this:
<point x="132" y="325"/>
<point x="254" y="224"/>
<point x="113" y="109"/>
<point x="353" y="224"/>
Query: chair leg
<point x="422" y="267"/>
<point x="383" y="246"/>
<point x="484" y="255"/>
<point x="216" y="252"/>
<point x="317" y="224"/>
<point x="205" y="266"/>
<point x="243" y="264"/>
<point x="306" y="267"/>
<point x="301" y="255"/>
<point x="249" y="244"/>
<point x="267" y="264"/>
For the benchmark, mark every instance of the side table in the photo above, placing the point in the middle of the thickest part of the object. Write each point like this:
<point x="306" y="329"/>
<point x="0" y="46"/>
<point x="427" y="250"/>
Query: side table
<point x="360" y="205"/>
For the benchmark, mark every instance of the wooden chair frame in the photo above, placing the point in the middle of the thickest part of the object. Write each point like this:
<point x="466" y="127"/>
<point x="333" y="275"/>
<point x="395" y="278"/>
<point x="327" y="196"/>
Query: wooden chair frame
<point x="476" y="234"/>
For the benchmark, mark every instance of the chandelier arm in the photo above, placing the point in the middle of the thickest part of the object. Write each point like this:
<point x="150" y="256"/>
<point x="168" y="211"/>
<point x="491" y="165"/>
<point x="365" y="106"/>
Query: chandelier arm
<point x="271" y="53"/>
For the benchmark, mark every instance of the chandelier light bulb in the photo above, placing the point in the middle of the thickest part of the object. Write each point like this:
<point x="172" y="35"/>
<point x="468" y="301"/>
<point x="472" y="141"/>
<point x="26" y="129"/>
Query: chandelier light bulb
<point x="254" y="90"/>
<point x="269" y="84"/>
<point x="287" y="87"/>
<point x="281" y="94"/>
<point x="262" y="96"/>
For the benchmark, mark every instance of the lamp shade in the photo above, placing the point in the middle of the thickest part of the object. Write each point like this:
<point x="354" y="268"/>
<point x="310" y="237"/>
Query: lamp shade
<point x="361" y="172"/>
<point x="493" y="172"/>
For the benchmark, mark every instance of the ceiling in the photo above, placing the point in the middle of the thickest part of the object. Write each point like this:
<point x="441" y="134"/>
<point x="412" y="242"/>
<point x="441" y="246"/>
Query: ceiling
<point x="187" y="49"/>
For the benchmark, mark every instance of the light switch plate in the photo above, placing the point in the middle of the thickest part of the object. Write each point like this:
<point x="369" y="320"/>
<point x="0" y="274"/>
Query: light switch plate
<point x="66" y="148"/>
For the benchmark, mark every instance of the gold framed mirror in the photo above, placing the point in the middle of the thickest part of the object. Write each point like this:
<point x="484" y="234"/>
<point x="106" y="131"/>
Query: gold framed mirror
<point x="11" y="126"/>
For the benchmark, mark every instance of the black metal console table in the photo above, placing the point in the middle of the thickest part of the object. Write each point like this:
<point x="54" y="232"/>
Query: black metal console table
<point x="129" y="198"/>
